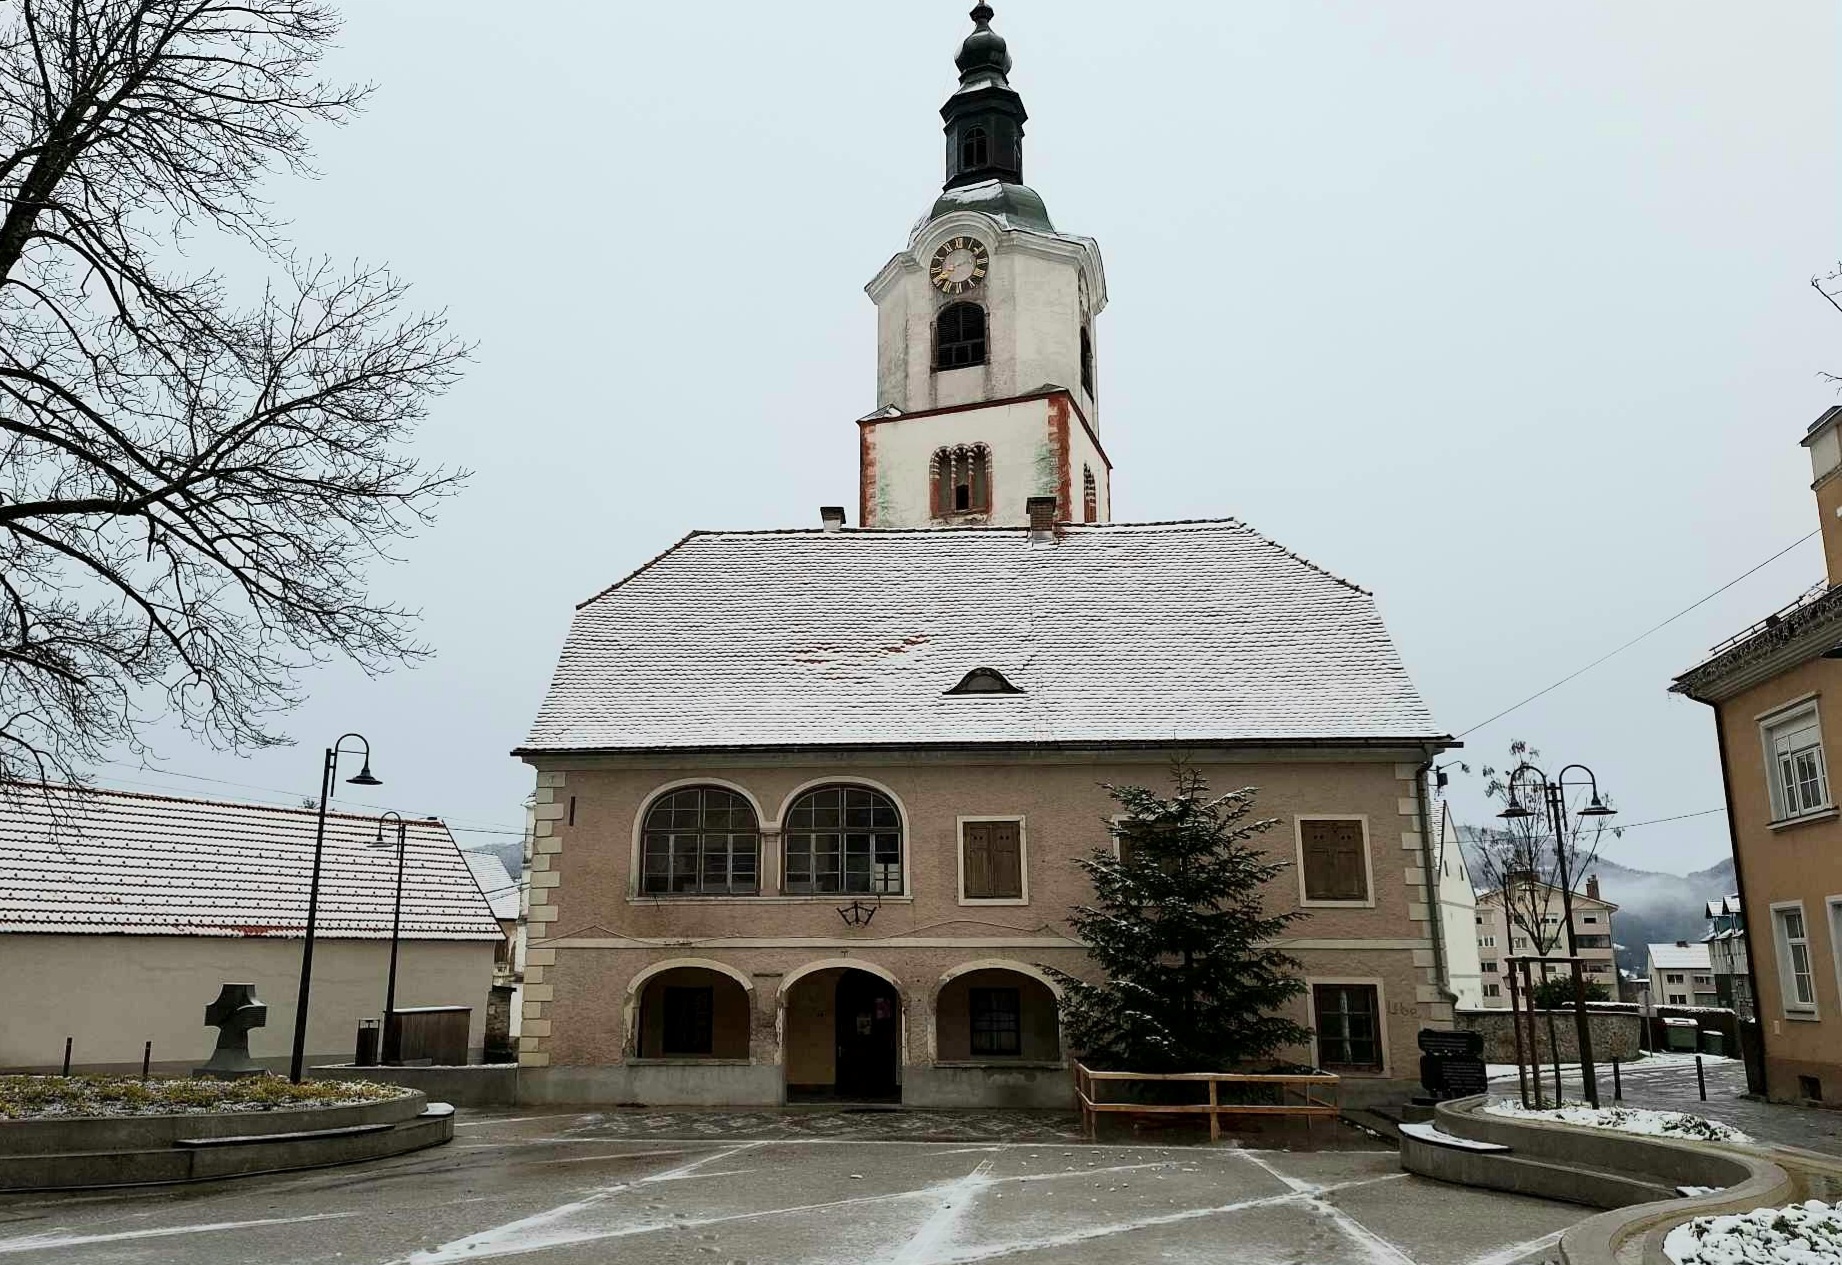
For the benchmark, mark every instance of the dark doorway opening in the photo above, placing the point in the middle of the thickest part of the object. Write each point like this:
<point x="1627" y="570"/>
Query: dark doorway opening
<point x="869" y="1035"/>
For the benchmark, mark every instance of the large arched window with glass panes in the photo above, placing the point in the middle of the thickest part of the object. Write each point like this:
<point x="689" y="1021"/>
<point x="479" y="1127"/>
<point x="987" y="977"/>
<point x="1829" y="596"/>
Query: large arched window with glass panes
<point x="700" y="841"/>
<point x="841" y="839"/>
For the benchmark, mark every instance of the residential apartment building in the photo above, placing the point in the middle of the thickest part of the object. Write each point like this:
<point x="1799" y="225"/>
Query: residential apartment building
<point x="1726" y="941"/>
<point x="1681" y="974"/>
<point x="810" y="803"/>
<point x="1776" y="693"/>
<point x="1500" y="937"/>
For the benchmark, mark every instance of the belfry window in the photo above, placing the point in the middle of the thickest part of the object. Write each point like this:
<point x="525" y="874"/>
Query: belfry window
<point x="1090" y="496"/>
<point x="1087" y="362"/>
<point x="974" y="149"/>
<point x="959" y="336"/>
<point x="961" y="480"/>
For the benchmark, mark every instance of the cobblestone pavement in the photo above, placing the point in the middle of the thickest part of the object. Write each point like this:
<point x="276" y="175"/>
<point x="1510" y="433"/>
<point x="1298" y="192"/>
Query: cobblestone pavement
<point x="1668" y="1084"/>
<point x="545" y="1189"/>
<point x="838" y="1123"/>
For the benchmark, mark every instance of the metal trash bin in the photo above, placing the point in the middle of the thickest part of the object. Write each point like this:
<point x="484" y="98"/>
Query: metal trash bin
<point x="1713" y="1042"/>
<point x="1679" y="1034"/>
<point x="368" y="1034"/>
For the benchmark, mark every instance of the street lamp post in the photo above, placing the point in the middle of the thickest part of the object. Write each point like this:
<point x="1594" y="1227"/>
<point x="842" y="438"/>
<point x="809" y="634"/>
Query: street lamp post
<point x="1554" y="797"/>
<point x="390" y="1050"/>
<point x="327" y="772"/>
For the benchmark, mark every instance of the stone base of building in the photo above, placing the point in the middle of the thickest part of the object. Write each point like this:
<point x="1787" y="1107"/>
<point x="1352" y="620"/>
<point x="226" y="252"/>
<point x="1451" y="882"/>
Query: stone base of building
<point x="1790" y="1080"/>
<point x="718" y="1084"/>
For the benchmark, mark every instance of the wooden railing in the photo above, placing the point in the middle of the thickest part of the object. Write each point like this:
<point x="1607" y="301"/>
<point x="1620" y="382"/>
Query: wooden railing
<point x="1305" y="1095"/>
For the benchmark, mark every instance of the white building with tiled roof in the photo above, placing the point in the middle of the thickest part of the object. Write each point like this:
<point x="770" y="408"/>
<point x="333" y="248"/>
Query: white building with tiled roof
<point x="809" y="803"/>
<point x="121" y="914"/>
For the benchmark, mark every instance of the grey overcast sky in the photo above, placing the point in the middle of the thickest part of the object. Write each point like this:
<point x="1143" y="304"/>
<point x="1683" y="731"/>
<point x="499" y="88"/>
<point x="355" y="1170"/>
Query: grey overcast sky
<point x="1500" y="310"/>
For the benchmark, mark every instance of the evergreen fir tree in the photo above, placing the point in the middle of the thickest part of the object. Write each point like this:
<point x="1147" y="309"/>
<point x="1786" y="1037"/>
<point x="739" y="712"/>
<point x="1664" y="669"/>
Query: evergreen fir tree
<point x="1190" y="982"/>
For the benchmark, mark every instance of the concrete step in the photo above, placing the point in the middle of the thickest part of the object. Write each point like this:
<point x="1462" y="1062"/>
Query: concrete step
<point x="1470" y="1162"/>
<point x="255" y="1139"/>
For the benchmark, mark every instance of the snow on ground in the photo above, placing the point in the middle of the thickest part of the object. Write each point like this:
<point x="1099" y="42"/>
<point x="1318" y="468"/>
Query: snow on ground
<point x="1650" y="1062"/>
<point x="1658" y="1124"/>
<point x="1801" y="1234"/>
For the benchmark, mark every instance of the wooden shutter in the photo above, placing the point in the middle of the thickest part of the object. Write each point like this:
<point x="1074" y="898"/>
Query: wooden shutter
<point x="1335" y="867"/>
<point x="1005" y="865"/>
<point x="977" y="846"/>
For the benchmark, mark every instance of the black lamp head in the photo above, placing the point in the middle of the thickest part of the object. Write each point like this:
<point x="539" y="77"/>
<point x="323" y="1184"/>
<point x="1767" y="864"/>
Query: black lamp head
<point x="1597" y="808"/>
<point x="364" y="777"/>
<point x="1515" y="812"/>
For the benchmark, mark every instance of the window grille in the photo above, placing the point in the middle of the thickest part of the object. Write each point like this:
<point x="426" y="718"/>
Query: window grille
<point x="997" y="1021"/>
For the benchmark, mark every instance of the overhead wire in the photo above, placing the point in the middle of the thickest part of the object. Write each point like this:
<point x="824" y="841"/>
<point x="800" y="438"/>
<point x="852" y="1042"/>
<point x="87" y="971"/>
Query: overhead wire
<point x="1655" y="628"/>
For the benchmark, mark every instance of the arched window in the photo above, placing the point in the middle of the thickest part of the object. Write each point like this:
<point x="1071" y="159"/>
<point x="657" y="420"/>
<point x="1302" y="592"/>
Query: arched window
<point x="700" y="841"/>
<point x="974" y="149"/>
<point x="1090" y="496"/>
<point x="962" y="480"/>
<point x="959" y="336"/>
<point x="844" y="839"/>
<point x="1087" y="362"/>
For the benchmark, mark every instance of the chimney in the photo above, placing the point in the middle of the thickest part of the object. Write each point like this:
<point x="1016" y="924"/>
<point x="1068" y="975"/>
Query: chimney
<point x="832" y="516"/>
<point x="1592" y="887"/>
<point x="1042" y="517"/>
<point x="1825" y="447"/>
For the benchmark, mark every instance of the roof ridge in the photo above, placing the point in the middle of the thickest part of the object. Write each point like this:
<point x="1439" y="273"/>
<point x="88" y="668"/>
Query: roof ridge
<point x="78" y="789"/>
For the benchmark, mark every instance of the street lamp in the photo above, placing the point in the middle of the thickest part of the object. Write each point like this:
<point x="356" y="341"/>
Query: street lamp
<point x="327" y="772"/>
<point x="1554" y="796"/>
<point x="390" y="1050"/>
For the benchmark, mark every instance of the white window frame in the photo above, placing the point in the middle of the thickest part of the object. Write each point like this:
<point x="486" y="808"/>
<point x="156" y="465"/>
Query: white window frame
<point x="1832" y="906"/>
<point x="1676" y="999"/>
<point x="1787" y="979"/>
<point x="1799" y="714"/>
<point x="1493" y="990"/>
<point x="1023" y="860"/>
<point x="1486" y="942"/>
<point x="1368" y="866"/>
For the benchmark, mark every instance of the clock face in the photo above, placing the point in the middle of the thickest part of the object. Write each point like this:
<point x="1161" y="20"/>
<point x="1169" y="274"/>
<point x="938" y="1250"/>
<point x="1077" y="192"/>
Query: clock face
<point x="959" y="265"/>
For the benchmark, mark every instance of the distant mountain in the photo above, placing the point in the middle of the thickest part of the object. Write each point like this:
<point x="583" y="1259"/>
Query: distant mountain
<point x="512" y="854"/>
<point x="1653" y="907"/>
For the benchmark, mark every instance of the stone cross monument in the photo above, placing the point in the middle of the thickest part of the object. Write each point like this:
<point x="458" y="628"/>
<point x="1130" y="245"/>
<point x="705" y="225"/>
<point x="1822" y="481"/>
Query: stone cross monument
<point x="233" y="1014"/>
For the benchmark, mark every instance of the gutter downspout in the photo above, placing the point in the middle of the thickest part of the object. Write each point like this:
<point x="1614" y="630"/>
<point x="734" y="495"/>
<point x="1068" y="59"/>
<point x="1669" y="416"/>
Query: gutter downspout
<point x="1434" y="903"/>
<point x="1739" y="882"/>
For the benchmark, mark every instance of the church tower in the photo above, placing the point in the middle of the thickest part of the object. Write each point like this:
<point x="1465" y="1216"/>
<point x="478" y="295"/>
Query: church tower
<point x="987" y="378"/>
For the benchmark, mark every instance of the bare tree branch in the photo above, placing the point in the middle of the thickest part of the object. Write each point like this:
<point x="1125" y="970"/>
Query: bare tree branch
<point x="191" y="491"/>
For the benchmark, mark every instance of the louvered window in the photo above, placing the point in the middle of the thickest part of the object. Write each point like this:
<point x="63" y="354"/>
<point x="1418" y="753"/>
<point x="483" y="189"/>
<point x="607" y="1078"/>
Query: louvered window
<point x="974" y="149"/>
<point x="1335" y="860"/>
<point x="959" y="336"/>
<point x="992" y="856"/>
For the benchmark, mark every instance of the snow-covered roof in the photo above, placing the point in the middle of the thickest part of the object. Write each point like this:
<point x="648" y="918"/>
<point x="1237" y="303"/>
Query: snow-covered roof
<point x="1204" y="632"/>
<point x="1724" y="906"/>
<point x="1680" y="957"/>
<point x="100" y="861"/>
<point x="500" y="888"/>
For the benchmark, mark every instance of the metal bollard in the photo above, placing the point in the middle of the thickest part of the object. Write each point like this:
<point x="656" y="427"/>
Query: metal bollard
<point x="1701" y="1080"/>
<point x="146" y="1059"/>
<point x="1618" y="1089"/>
<point x="67" y="1041"/>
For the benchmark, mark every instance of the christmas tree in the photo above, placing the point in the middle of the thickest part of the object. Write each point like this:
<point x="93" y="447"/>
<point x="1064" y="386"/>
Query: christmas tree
<point x="1190" y="982"/>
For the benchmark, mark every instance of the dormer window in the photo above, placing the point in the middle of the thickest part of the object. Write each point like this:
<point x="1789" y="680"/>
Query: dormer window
<point x="984" y="681"/>
<point x="959" y="336"/>
<point x="974" y="149"/>
<point x="961" y="480"/>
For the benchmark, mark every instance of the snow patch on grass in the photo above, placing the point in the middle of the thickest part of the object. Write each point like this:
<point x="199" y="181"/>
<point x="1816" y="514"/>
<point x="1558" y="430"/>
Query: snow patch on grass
<point x="1801" y="1234"/>
<point x="1657" y="1124"/>
<point x="72" y="1097"/>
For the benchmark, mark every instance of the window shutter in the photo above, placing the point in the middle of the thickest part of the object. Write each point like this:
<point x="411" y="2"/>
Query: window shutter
<point x="978" y="860"/>
<point x="1333" y="858"/>
<point x="1006" y="861"/>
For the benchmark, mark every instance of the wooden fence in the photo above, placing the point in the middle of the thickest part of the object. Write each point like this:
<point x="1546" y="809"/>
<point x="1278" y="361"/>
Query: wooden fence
<point x="1302" y="1095"/>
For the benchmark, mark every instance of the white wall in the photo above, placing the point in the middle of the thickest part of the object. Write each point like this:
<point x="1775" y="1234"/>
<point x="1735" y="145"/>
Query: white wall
<point x="1022" y="462"/>
<point x="112" y="993"/>
<point x="1458" y="919"/>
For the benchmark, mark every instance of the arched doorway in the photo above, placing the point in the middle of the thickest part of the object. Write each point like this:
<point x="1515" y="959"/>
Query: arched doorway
<point x="842" y="1038"/>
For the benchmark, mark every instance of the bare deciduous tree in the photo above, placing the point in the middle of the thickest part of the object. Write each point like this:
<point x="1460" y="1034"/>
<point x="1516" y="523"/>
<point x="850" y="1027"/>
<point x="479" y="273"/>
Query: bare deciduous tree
<point x="191" y="488"/>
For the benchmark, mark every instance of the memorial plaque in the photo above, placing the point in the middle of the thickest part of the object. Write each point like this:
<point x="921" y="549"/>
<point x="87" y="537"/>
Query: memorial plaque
<point x="1440" y="1041"/>
<point x="1452" y="1065"/>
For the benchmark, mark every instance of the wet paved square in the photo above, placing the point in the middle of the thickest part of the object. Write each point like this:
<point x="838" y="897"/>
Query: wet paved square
<point x="569" y="1189"/>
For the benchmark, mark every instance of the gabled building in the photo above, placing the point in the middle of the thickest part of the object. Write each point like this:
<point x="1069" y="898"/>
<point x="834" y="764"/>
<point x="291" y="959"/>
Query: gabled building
<point x="121" y="914"/>
<point x="1681" y="974"/>
<point x="1726" y="941"/>
<point x="809" y="802"/>
<point x="1775" y="690"/>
